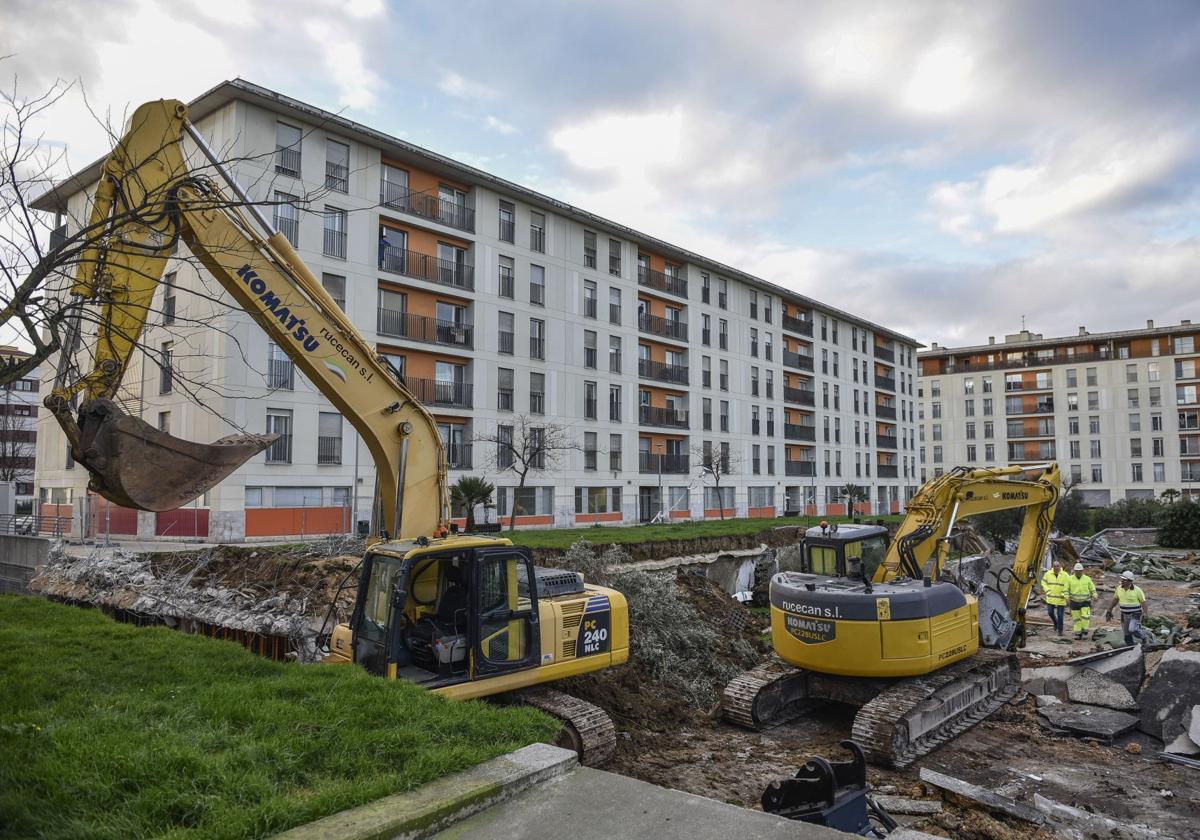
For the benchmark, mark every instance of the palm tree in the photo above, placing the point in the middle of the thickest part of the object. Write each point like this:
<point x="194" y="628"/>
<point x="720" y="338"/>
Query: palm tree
<point x="470" y="491"/>
<point x="853" y="494"/>
<point x="1170" y="496"/>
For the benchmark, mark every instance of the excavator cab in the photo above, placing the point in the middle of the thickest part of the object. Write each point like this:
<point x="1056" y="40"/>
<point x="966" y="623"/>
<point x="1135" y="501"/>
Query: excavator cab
<point x="844" y="551"/>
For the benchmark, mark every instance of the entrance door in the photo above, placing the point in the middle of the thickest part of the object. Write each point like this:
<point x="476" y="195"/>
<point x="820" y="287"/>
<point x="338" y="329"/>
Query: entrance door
<point x="648" y="503"/>
<point x="505" y="612"/>
<point x="373" y="613"/>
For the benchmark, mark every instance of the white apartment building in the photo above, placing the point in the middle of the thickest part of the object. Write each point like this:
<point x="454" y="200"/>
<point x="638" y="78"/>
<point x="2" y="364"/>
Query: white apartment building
<point x="19" y="402"/>
<point x="495" y="304"/>
<point x="1118" y="411"/>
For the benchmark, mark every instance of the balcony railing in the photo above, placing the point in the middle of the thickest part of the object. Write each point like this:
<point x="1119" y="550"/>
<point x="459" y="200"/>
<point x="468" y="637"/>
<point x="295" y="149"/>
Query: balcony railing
<point x="507" y="232"/>
<point x="397" y="260"/>
<point x="433" y="207"/>
<point x="458" y="456"/>
<point x="287" y="161"/>
<point x="504" y="399"/>
<point x="329" y="449"/>
<point x="662" y="372"/>
<point x="281" y="374"/>
<point x="1033" y="386"/>
<point x="662" y="282"/>
<point x="537" y="240"/>
<point x="799" y="431"/>
<point x="887" y="412"/>
<point x="665" y="327"/>
<point x="506" y="343"/>
<point x="673" y="418"/>
<point x="800" y="326"/>
<point x="335" y="244"/>
<point x="1040" y="407"/>
<point x="887" y="383"/>
<point x="884" y="353"/>
<point x="800" y="396"/>
<point x="888" y="471"/>
<point x="886" y="442"/>
<point x="289" y="227"/>
<point x="589" y="307"/>
<point x="337" y="176"/>
<point x="808" y="468"/>
<point x="1042" y="431"/>
<point x="797" y="360"/>
<point x="653" y="463"/>
<point x="537" y="347"/>
<point x="392" y="322"/>
<point x="614" y="265"/>
<point x="441" y="393"/>
<point x="1034" y="361"/>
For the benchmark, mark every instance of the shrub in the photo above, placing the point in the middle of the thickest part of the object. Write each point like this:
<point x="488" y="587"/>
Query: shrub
<point x="1179" y="525"/>
<point x="1071" y="515"/>
<point x="1128" y="513"/>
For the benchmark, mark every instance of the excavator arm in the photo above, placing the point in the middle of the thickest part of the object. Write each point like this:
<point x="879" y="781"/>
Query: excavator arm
<point x="147" y="200"/>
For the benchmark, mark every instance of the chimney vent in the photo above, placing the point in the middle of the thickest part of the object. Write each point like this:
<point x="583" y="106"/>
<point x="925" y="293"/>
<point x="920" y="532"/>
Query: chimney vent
<point x="1083" y="330"/>
<point x="991" y="339"/>
<point x="1186" y="321"/>
<point x="1149" y="324"/>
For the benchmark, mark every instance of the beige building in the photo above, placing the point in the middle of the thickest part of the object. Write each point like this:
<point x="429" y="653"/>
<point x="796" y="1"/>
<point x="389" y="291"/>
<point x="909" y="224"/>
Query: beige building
<point x="496" y="302"/>
<point x="1118" y="411"/>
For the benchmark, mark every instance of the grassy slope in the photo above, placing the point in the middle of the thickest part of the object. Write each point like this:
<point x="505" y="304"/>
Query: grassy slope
<point x="564" y="537"/>
<point x="109" y="730"/>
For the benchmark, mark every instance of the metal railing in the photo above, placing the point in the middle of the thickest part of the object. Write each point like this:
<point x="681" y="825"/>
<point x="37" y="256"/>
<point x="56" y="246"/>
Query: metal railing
<point x="663" y="282"/>
<point x="281" y="374"/>
<point x="888" y="471"/>
<point x="426" y="267"/>
<point x="665" y="327"/>
<point x="337" y="176"/>
<point x="504" y="399"/>
<point x="335" y="244"/>
<point x="537" y="348"/>
<point x="507" y="232"/>
<point x="800" y="326"/>
<point x="506" y="344"/>
<point x="887" y="383"/>
<point x="440" y="392"/>
<point x="801" y="396"/>
<point x="34" y="524"/>
<point x="287" y="161"/>
<point x="537" y="294"/>
<point x="797" y="360"/>
<point x="589" y="257"/>
<point x="673" y="418"/>
<point x="885" y="411"/>
<point x="614" y="313"/>
<point x="329" y="449"/>
<point x="290" y="228"/>
<point x="1040" y="407"/>
<point x="507" y="285"/>
<point x="537" y="240"/>
<point x="884" y="353"/>
<point x="886" y="442"/>
<point x="652" y="463"/>
<point x="965" y="366"/>
<point x="537" y="402"/>
<point x="614" y="265"/>
<point x="458" y="456"/>
<point x="393" y="322"/>
<point x="280" y="451"/>
<point x="799" y="431"/>
<point x="589" y="307"/>
<point x="450" y="213"/>
<point x="800" y="468"/>
<point x="662" y="372"/>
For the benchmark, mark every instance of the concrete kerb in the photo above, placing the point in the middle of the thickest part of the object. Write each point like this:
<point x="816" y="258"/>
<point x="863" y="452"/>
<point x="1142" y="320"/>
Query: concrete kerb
<point x="443" y="802"/>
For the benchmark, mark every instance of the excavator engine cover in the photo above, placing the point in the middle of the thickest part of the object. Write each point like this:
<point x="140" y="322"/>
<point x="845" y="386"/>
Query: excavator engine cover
<point x="135" y="465"/>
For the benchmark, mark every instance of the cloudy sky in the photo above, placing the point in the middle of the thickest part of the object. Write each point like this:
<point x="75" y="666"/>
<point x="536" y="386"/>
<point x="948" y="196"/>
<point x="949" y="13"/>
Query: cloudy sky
<point x="941" y="168"/>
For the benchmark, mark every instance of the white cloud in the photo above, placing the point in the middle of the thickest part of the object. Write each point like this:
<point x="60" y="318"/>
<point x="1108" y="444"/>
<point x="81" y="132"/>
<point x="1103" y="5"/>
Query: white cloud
<point x="498" y="125"/>
<point x="941" y="80"/>
<point x="357" y="85"/>
<point x="453" y="84"/>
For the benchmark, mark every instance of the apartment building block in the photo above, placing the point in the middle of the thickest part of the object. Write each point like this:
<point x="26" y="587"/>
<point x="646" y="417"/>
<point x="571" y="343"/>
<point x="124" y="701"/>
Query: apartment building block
<point x="499" y="306"/>
<point x="19" y="402"/>
<point x="1118" y="411"/>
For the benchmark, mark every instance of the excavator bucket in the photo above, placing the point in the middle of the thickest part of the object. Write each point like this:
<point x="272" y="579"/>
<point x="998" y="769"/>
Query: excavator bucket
<point x="135" y="465"/>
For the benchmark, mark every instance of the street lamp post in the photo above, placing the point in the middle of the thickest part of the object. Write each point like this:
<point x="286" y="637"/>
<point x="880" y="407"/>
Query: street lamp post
<point x="662" y="515"/>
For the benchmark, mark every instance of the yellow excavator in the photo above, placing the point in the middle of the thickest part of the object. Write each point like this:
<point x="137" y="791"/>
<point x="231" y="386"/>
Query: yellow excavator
<point x="887" y="628"/>
<point x="463" y="615"/>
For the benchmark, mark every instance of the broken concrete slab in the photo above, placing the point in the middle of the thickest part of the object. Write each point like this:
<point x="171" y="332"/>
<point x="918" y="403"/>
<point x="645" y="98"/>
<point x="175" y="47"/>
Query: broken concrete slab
<point x="1091" y="721"/>
<point x="1046" y="700"/>
<point x="1183" y="745"/>
<point x="1050" y="679"/>
<point x="1095" y="689"/>
<point x="978" y="796"/>
<point x="1126" y="665"/>
<point x="910" y="807"/>
<point x="1191" y="724"/>
<point x="1074" y="822"/>
<point x="912" y="834"/>
<point x="1174" y="688"/>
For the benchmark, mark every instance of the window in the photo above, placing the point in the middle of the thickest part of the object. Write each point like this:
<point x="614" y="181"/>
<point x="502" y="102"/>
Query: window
<point x="287" y="149"/>
<point x="705" y="283"/>
<point x="1094" y="447"/>
<point x="1160" y="473"/>
<point x="1131" y="372"/>
<point x="589" y="450"/>
<point x="968" y="386"/>
<point x="989" y="452"/>
<point x="706" y="330"/>
<point x="164" y="421"/>
<point x="279" y="422"/>
<point x="987" y="407"/>
<point x="614" y="354"/>
<point x="1135" y="422"/>
<point x="614" y="305"/>
<point x="770" y="384"/>
<point x="970" y="431"/>
<point x="335" y="233"/>
<point x="614" y="403"/>
<point x="936" y="431"/>
<point x="537" y="393"/>
<point x="1091" y="377"/>
<point x="1185" y="394"/>
<point x="706" y="371"/>
<point x="1094" y="425"/>
<point x="507" y="222"/>
<point x="754" y="304"/>
<point x="280" y="370"/>
<point x="935" y="410"/>
<point x="614" y="452"/>
<point x="589" y="349"/>
<point x="724" y="416"/>
<point x="590" y="400"/>
<point x="537" y="448"/>
<point x="505" y="285"/>
<point x="1072" y="425"/>
<point x="1157" y="449"/>
<point x="1132" y="398"/>
<point x="504" y="447"/>
<point x="590" y="297"/>
<point x="1135" y="447"/>
<point x="723" y="294"/>
<point x="987" y="384"/>
<point x="337" y="166"/>
<point x="329" y="437"/>
<point x="723" y="334"/>
<point x="286" y="217"/>
<point x="755" y="458"/>
<point x="537" y="285"/>
<point x="1072" y="402"/>
<point x="506" y="333"/>
<point x="706" y="414"/>
<point x="504" y="389"/>
<point x="1097" y="473"/>
<point x="1074" y="448"/>
<point x="969" y="407"/>
<point x="971" y="452"/>
<point x="1093" y="400"/>
<point x="753" y="342"/>
<point x="335" y="285"/>
<point x="537" y="338"/>
<point x="937" y="454"/>
<point x="1185" y="344"/>
<point x="753" y="381"/>
<point x="537" y="232"/>
<point x="1156" y="423"/>
<point x="767" y="308"/>
<point x="724" y="375"/>
<point x="168" y="312"/>
<point x="166" y="374"/>
<point x="589" y="251"/>
<point x="989" y="430"/>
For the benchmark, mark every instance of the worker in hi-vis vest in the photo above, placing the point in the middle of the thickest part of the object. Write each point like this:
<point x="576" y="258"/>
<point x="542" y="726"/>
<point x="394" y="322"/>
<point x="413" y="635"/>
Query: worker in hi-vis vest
<point x="1054" y="591"/>
<point x="1132" y="601"/>
<point x="1081" y="591"/>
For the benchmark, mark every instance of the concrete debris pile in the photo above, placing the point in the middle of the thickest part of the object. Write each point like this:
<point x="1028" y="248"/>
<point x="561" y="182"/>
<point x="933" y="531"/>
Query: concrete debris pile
<point x="1097" y="551"/>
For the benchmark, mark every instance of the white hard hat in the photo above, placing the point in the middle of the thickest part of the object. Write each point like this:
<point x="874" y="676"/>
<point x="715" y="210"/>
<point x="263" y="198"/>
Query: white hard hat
<point x="1127" y="575"/>
<point x="1078" y="567"/>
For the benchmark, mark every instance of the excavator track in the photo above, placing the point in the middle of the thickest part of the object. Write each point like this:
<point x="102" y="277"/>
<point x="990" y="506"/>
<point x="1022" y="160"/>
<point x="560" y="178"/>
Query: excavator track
<point x="917" y="715"/>
<point x="771" y="694"/>
<point x="587" y="728"/>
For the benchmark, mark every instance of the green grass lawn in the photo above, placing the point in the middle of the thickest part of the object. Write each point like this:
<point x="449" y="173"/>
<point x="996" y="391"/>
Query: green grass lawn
<point x="564" y="537"/>
<point x="109" y="730"/>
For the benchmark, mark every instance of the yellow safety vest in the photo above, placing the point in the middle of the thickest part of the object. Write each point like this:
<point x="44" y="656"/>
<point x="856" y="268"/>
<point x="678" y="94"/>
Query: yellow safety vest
<point x="1055" y="587"/>
<point x="1081" y="590"/>
<point x="1131" y="599"/>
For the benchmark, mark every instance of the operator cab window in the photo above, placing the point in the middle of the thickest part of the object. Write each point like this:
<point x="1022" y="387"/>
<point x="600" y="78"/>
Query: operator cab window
<point x="864" y="556"/>
<point x="822" y="560"/>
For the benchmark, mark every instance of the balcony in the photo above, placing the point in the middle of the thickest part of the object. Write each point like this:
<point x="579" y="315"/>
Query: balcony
<point x="287" y="161"/>
<point x="458" y="275"/>
<point x="337" y="176"/>
<point x="888" y="471"/>
<point x="799" y="326"/>
<point x="650" y="463"/>
<point x="887" y="383"/>
<point x="334" y="244"/>
<point x="799" y="431"/>
<point x="798" y="361"/>
<point x="432" y="207"/>
<point x="440" y="393"/>
<point x="671" y="418"/>
<point x="665" y="327"/>
<point x="886" y="442"/>
<point x="887" y="355"/>
<point x="800" y="396"/>
<point x="458" y="456"/>
<point x="662" y="282"/>
<point x="1032" y="361"/>
<point x="428" y="330"/>
<point x="1044" y="430"/>
<point x="1040" y="407"/>
<point x="329" y="450"/>
<point x="887" y="412"/>
<point x="663" y="372"/>
<point x="808" y="468"/>
<point x="1045" y="385"/>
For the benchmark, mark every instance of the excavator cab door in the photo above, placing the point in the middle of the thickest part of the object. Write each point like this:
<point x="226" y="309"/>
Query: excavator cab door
<point x="504" y="612"/>
<point x="375" y="611"/>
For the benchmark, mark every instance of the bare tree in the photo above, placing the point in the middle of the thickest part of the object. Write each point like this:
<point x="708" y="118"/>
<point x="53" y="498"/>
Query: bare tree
<point x="528" y="444"/>
<point x="715" y="465"/>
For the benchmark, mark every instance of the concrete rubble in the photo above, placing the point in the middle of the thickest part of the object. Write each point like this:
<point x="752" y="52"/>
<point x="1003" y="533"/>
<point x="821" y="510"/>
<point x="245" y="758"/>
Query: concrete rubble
<point x="1098" y="551"/>
<point x="1170" y="694"/>
<point x="1070" y="822"/>
<point x="908" y="807"/>
<point x="1088" y="721"/>
<point x="981" y="797"/>
<point x="1095" y="689"/>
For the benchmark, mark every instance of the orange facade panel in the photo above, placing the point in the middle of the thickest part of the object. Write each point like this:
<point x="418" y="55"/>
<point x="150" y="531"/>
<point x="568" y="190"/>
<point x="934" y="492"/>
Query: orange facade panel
<point x="421" y="181"/>
<point x="420" y="240"/>
<point x="280" y="522"/>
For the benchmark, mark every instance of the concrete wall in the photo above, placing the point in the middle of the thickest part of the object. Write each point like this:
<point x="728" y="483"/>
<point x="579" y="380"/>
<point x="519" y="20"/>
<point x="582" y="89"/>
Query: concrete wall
<point x="20" y="558"/>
